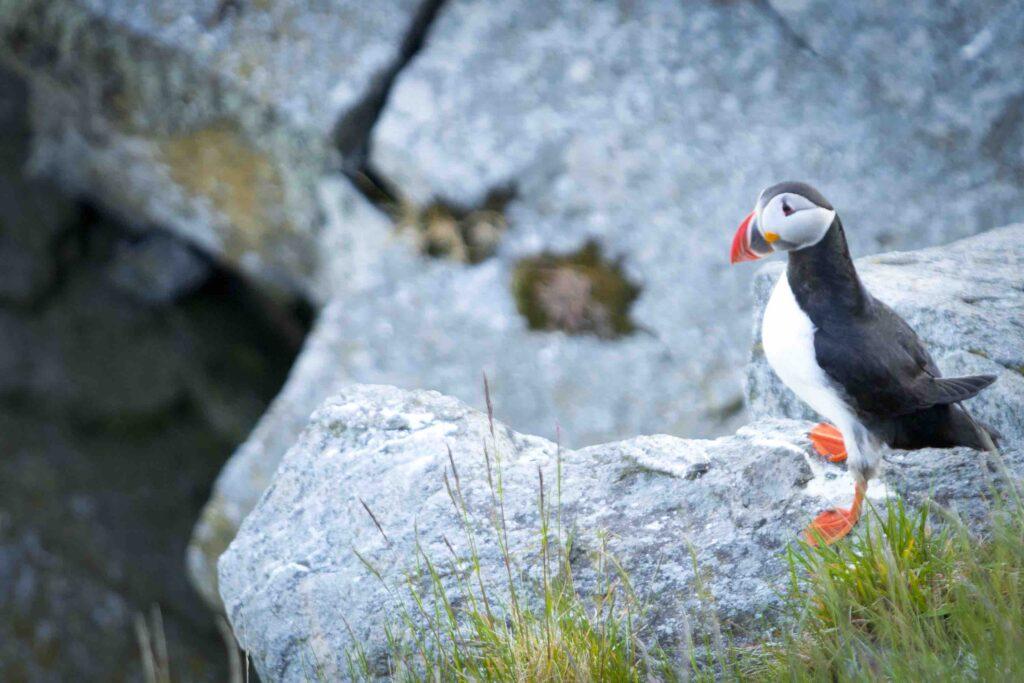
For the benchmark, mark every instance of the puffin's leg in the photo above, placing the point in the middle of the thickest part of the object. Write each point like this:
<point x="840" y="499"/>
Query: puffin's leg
<point x="831" y="525"/>
<point x="828" y="441"/>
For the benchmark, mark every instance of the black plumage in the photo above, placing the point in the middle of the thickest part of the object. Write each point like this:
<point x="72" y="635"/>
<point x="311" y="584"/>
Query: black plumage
<point x="879" y="365"/>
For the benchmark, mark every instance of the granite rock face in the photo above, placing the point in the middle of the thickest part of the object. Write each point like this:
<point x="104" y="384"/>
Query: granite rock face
<point x="948" y="66"/>
<point x="641" y="131"/>
<point x="293" y="584"/>
<point x="965" y="300"/>
<point x="736" y="502"/>
<point x="646" y="130"/>
<point x="215" y="119"/>
<point x="649" y="128"/>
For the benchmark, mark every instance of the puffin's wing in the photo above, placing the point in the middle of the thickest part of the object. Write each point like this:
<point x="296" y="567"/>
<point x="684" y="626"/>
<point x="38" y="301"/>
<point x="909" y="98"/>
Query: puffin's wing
<point x="884" y="368"/>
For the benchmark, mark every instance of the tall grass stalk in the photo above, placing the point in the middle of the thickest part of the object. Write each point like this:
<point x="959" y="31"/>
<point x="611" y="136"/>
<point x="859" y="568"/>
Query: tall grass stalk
<point x="452" y="624"/>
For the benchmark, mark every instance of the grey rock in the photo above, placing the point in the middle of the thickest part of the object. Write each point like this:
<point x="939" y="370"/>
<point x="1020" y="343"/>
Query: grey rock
<point x="647" y="128"/>
<point x="949" y="66"/>
<point x="394" y="331"/>
<point x="650" y="128"/>
<point x="214" y="119"/>
<point x="293" y="584"/>
<point x="318" y="372"/>
<point x="965" y="300"/>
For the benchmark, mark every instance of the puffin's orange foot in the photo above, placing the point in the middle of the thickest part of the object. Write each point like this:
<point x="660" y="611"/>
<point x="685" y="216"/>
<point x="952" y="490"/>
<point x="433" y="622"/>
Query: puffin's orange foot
<point x="828" y="442"/>
<point x="830" y="526"/>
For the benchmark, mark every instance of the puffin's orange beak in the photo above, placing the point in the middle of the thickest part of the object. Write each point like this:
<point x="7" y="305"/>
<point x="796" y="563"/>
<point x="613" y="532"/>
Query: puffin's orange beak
<point x="741" y="250"/>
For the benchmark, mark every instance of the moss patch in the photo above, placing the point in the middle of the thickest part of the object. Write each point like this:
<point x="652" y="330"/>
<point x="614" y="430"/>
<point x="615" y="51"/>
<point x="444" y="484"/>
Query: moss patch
<point x="241" y="182"/>
<point x="446" y="230"/>
<point x="442" y="229"/>
<point x="578" y="293"/>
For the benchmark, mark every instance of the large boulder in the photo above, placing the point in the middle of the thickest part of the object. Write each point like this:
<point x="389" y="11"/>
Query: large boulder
<point x="300" y="598"/>
<point x="735" y="501"/>
<point x="634" y="136"/>
<point x="216" y="119"/>
<point x="965" y="300"/>
<point x="647" y="129"/>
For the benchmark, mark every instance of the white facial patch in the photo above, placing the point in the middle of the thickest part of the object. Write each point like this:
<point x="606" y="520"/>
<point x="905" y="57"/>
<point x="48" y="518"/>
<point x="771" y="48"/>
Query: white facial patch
<point x="796" y="220"/>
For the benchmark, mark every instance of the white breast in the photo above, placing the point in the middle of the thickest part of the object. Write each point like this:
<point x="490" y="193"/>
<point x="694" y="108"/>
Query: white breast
<point x="788" y="337"/>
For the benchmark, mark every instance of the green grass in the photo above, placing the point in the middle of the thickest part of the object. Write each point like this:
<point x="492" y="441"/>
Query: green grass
<point x="902" y="602"/>
<point x="522" y="630"/>
<point x="898" y="600"/>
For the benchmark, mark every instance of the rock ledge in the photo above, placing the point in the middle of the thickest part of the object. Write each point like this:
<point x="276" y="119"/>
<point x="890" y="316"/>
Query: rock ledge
<point x="291" y="580"/>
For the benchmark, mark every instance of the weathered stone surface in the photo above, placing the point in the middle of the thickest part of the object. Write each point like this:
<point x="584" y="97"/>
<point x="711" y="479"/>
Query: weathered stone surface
<point x="948" y="66"/>
<point x="318" y="372"/>
<point x="646" y="129"/>
<point x="965" y="300"/>
<point x="293" y="584"/>
<point x="393" y="332"/>
<point x="216" y="119"/>
<point x="649" y="128"/>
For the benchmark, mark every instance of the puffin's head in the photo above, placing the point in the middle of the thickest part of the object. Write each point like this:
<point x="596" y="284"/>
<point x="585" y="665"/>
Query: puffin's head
<point x="787" y="217"/>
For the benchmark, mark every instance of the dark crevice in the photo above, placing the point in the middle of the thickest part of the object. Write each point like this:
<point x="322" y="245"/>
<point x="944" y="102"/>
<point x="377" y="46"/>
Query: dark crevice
<point x="352" y="133"/>
<point x="288" y="319"/>
<point x="84" y="240"/>
<point x="66" y="248"/>
<point x="441" y="228"/>
<point x="375" y="187"/>
<point x="105" y="485"/>
<point x="82" y="253"/>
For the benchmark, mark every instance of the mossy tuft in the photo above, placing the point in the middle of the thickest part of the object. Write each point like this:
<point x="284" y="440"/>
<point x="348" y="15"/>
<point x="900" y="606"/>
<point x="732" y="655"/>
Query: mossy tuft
<point x="442" y="228"/>
<point x="445" y="230"/>
<point x="578" y="293"/>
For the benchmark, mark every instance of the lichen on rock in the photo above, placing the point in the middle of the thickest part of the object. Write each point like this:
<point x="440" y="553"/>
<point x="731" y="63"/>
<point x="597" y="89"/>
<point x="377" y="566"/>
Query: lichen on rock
<point x="579" y="293"/>
<point x="446" y="231"/>
<point x="219" y="164"/>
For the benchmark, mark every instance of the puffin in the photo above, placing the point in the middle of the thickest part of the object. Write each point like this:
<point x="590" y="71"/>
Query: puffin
<point x="846" y="354"/>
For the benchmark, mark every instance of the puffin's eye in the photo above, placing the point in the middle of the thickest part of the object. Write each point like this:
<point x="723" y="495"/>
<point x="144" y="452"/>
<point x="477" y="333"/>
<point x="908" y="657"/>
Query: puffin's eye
<point x="786" y="208"/>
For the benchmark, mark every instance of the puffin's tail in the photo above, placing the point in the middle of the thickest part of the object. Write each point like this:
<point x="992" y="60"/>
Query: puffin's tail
<point x="974" y="433"/>
<point x="948" y="390"/>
